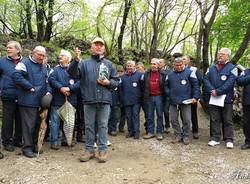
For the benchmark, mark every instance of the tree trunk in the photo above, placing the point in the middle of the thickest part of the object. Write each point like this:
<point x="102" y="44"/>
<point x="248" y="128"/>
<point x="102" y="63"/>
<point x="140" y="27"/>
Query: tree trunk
<point x="49" y="25"/>
<point x="122" y="29"/>
<point x="40" y="19"/>
<point x="28" y="19"/>
<point x="243" y="46"/>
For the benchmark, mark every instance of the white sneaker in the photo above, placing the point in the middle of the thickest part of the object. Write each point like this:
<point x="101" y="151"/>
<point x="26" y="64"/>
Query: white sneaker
<point x="229" y="145"/>
<point x="213" y="143"/>
<point x="108" y="143"/>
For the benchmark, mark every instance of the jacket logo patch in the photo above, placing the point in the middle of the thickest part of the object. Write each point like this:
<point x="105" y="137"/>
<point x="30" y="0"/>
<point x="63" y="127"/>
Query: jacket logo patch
<point x="71" y="82"/>
<point x="183" y="82"/>
<point x="223" y="77"/>
<point x="134" y="84"/>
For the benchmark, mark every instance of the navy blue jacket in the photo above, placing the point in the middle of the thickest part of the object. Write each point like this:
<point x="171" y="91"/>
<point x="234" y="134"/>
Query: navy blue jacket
<point x="131" y="88"/>
<point x="221" y="80"/>
<point x="88" y="72"/>
<point x="181" y="86"/>
<point x="8" y="87"/>
<point x="29" y="74"/>
<point x="244" y="80"/>
<point x="116" y="100"/>
<point x="59" y="78"/>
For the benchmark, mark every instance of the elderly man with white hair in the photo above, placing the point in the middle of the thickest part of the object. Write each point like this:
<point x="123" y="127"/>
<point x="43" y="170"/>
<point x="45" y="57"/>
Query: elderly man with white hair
<point x="219" y="82"/>
<point x="63" y="85"/>
<point x="11" y="116"/>
<point x="131" y="93"/>
<point x="153" y="84"/>
<point x="31" y="77"/>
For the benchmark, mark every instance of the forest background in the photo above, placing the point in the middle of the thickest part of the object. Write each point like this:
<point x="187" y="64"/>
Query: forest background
<point x="132" y="29"/>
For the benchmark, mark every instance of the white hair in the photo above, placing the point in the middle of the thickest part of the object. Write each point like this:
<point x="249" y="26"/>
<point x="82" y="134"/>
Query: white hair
<point x="131" y="62"/>
<point x="226" y="50"/>
<point x="39" y="48"/>
<point x="66" y="53"/>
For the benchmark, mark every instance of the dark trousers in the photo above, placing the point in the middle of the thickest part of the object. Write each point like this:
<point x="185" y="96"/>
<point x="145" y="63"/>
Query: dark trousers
<point x="122" y="118"/>
<point x="166" y="105"/>
<point x="30" y="126"/>
<point x="194" y="118"/>
<point x="114" y="118"/>
<point x="219" y="115"/>
<point x="11" y="116"/>
<point x="246" y="125"/>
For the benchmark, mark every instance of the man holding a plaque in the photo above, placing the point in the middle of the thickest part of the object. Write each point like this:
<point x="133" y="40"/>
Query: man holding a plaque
<point x="97" y="77"/>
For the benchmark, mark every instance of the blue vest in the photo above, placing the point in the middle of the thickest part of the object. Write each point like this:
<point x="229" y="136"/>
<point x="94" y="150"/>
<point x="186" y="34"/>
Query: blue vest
<point x="244" y="80"/>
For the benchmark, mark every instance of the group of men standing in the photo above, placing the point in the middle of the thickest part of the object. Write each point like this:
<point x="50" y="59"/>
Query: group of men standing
<point x="168" y="92"/>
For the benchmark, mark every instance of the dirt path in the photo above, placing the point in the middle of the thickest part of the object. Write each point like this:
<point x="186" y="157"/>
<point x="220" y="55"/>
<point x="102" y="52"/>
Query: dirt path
<point x="134" y="161"/>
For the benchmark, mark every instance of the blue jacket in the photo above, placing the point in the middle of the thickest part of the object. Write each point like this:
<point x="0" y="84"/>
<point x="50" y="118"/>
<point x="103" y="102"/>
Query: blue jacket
<point x="131" y="88"/>
<point x="8" y="87"/>
<point x="221" y="80"/>
<point x="88" y="72"/>
<point x="59" y="78"/>
<point x="29" y="74"/>
<point x="116" y="101"/>
<point x="181" y="86"/>
<point x="244" y="80"/>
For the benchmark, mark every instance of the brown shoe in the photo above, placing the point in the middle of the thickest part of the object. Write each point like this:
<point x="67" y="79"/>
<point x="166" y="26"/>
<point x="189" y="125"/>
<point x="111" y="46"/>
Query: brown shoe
<point x="176" y="140"/>
<point x="186" y="140"/>
<point x="103" y="156"/>
<point x="86" y="156"/>
<point x="54" y="146"/>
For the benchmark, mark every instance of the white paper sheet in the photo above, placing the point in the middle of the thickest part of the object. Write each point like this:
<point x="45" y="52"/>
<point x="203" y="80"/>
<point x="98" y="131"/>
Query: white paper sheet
<point x="217" y="100"/>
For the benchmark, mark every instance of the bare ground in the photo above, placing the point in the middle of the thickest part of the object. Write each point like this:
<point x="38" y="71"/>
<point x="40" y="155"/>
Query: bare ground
<point x="134" y="162"/>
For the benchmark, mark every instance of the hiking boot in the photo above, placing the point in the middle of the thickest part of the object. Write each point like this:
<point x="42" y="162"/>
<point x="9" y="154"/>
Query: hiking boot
<point x="167" y="130"/>
<point x="103" y="156"/>
<point x="129" y="135"/>
<point x="113" y="133"/>
<point x="136" y="136"/>
<point x="148" y="136"/>
<point x="54" y="146"/>
<point x="86" y="156"/>
<point x="9" y="148"/>
<point x="186" y="140"/>
<point x="245" y="146"/>
<point x="1" y="155"/>
<point x="159" y="137"/>
<point x="195" y="135"/>
<point x="176" y="140"/>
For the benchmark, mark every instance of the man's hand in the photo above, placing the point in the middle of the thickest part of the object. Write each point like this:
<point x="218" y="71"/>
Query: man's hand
<point x="65" y="91"/>
<point x="213" y="92"/>
<point x="194" y="101"/>
<point x="77" y="54"/>
<point x="104" y="82"/>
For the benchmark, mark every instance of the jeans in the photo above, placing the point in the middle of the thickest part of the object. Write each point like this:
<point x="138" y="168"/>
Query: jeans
<point x="220" y="115"/>
<point x="133" y="118"/>
<point x="185" y="111"/>
<point x="54" y="126"/>
<point x="96" y="114"/>
<point x="154" y="102"/>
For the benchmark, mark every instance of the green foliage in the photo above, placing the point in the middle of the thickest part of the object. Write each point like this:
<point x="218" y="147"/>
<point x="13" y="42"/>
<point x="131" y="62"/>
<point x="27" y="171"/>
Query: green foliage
<point x="230" y="26"/>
